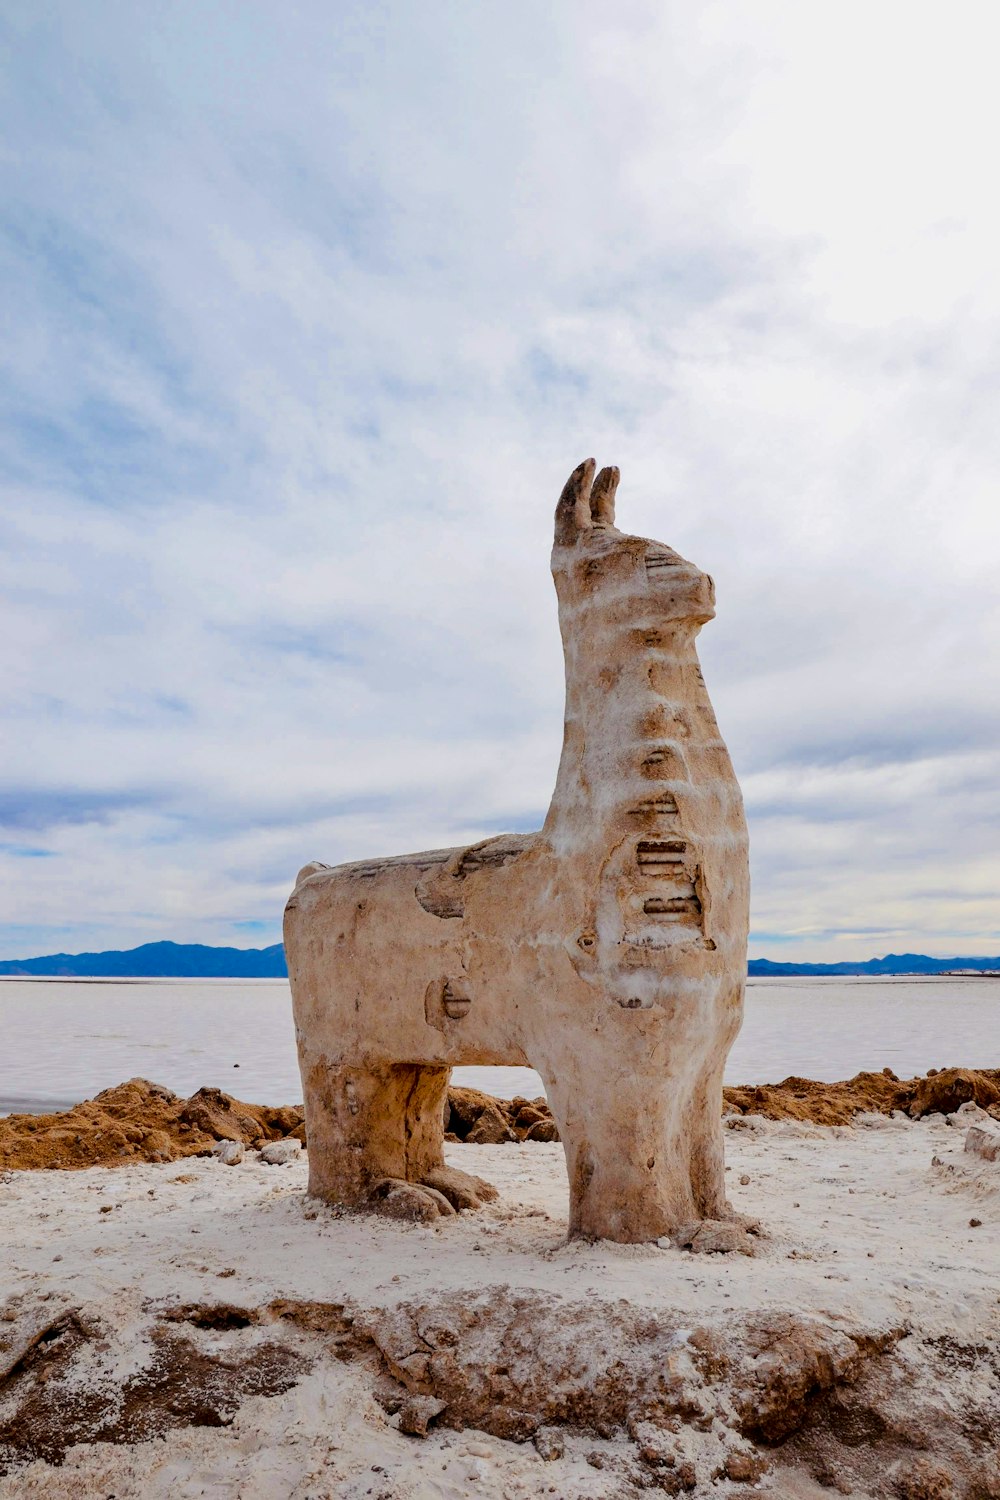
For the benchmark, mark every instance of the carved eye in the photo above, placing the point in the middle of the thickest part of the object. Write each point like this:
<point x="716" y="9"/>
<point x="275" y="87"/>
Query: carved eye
<point x="587" y="941"/>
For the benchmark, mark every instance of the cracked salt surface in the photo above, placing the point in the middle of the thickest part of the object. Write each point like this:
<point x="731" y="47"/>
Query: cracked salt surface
<point x="863" y="1233"/>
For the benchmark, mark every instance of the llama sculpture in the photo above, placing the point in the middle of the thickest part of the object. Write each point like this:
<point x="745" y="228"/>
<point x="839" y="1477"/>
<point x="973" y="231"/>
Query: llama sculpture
<point x="607" y="951"/>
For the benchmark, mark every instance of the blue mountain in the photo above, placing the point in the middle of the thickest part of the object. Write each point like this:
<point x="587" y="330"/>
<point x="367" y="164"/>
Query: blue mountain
<point x="159" y="961"/>
<point x="197" y="961"/>
<point x="893" y="963"/>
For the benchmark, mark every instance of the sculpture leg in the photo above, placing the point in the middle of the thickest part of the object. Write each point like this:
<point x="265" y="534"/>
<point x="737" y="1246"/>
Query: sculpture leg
<point x="626" y="1156"/>
<point x="708" y="1172"/>
<point x="647" y="1160"/>
<point x="707" y="1158"/>
<point x="376" y="1139"/>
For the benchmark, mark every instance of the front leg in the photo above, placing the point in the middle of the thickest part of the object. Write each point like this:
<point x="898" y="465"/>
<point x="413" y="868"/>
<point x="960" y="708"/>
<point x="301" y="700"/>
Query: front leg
<point x="376" y="1139"/>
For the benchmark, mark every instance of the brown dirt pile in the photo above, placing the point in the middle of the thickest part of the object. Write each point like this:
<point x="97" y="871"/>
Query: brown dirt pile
<point x="139" y="1121"/>
<point x="482" y="1120"/>
<point x="142" y="1121"/>
<point x="941" y="1092"/>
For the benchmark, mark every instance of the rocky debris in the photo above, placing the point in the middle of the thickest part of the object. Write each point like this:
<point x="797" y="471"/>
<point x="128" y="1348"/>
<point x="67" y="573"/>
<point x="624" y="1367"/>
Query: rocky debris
<point x="971" y="1114"/>
<point x="139" y="1121"/>
<point x="715" y="1237"/>
<point x="875" y="1434"/>
<point x="417" y="1413"/>
<point x="921" y="1479"/>
<point x="744" y="1466"/>
<point x="19" y="1338"/>
<point x="280" y="1153"/>
<point x="657" y="1401"/>
<point x="984" y="1143"/>
<point x="478" y="1118"/>
<point x="792" y="1361"/>
<point x="229" y="1153"/>
<point x="143" y="1121"/>
<point x="481" y="1120"/>
<point x="945" y="1091"/>
<point x="550" y="1444"/>
<point x="52" y="1401"/>
<point x="942" y="1091"/>
<point x="516" y="1365"/>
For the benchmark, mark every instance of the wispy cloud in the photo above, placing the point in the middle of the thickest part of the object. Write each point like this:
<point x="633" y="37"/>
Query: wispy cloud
<point x="308" y="314"/>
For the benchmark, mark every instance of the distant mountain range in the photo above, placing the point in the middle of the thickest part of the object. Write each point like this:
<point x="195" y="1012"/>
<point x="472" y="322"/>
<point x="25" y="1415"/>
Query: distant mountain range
<point x="196" y="961"/>
<point x="158" y="961"/>
<point x="893" y="963"/>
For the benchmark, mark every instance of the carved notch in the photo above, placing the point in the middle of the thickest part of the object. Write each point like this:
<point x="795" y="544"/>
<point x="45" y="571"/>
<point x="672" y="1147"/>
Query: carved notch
<point x="660" y="856"/>
<point x="446" y="1000"/>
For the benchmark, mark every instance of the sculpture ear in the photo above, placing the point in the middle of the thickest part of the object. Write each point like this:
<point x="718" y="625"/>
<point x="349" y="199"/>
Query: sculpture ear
<point x="573" y="510"/>
<point x="602" y="497"/>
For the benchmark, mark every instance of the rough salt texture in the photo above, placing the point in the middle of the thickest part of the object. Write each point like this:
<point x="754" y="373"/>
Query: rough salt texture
<point x="214" y="1332"/>
<point x="607" y="951"/>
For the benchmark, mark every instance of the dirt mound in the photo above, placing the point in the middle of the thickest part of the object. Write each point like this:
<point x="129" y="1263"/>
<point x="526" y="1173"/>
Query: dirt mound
<point x="143" y="1121"/>
<point x="49" y="1405"/>
<point x="942" y="1091"/>
<point x="139" y="1121"/>
<point x="657" y="1401"/>
<point x="510" y="1363"/>
<point x="482" y="1120"/>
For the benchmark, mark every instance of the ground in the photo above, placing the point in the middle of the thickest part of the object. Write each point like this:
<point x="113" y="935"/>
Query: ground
<point x="224" y="1336"/>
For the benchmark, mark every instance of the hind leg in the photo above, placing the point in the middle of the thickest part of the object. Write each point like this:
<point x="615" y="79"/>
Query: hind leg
<point x="376" y="1139"/>
<point x="707" y="1156"/>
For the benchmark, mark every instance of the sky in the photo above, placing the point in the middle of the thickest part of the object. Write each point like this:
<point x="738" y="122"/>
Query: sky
<point x="308" y="311"/>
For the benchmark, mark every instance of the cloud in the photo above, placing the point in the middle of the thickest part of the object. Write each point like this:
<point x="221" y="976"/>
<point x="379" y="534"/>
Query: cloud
<point x="310" y="313"/>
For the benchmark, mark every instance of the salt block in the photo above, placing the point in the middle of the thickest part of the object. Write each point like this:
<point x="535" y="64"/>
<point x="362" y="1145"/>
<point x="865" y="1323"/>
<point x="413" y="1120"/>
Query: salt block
<point x="279" y="1153"/>
<point x="984" y="1143"/>
<point x="229" y="1153"/>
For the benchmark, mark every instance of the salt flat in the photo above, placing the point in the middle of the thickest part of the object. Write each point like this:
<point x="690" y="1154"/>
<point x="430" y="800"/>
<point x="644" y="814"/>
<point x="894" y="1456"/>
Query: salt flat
<point x="858" y="1351"/>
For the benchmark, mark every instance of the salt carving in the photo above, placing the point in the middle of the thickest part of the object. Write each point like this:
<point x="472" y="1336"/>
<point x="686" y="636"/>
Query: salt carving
<point x="607" y="951"/>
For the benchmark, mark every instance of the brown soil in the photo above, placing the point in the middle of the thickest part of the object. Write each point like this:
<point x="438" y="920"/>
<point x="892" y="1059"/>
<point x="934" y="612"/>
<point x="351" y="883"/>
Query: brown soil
<point x="941" y="1091"/>
<point x="139" y="1121"/>
<point x="142" y="1121"/>
<point x="183" y="1385"/>
<point x="478" y="1117"/>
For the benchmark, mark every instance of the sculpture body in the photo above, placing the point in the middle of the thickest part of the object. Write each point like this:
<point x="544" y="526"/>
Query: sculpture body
<point x="607" y="951"/>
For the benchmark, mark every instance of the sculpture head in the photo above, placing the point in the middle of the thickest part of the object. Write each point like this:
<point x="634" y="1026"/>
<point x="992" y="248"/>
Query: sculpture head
<point x="628" y="579"/>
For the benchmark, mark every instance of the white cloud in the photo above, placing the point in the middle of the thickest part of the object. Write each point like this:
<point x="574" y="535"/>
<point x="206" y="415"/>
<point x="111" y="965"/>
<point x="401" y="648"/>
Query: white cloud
<point x="313" y="310"/>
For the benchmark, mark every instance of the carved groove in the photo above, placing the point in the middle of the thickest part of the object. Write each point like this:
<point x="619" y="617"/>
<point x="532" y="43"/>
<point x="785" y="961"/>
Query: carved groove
<point x="665" y="806"/>
<point x="491" y="856"/>
<point x="443" y="895"/>
<point x="662" y="856"/>
<point x="456" y="1000"/>
<point x="674" y="908"/>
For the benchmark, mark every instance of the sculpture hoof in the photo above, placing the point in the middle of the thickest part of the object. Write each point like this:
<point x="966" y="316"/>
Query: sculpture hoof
<point x="396" y="1199"/>
<point x="462" y="1189"/>
<point x="746" y="1222"/>
<point x="715" y="1237"/>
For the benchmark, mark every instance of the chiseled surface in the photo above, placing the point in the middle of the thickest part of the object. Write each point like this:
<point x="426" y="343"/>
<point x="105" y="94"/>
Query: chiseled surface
<point x="608" y="950"/>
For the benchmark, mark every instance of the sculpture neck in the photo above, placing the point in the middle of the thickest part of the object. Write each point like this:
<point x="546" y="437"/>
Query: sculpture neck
<point x="633" y="699"/>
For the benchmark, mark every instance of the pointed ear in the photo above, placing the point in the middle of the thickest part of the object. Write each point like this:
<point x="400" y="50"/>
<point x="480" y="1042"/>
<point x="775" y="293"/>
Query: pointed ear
<point x="602" y="497"/>
<point x="573" y="510"/>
